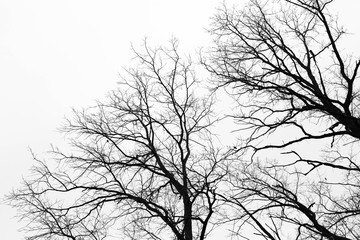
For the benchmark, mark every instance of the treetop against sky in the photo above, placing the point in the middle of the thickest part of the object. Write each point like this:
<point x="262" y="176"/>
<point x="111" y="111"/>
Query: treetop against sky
<point x="253" y="135"/>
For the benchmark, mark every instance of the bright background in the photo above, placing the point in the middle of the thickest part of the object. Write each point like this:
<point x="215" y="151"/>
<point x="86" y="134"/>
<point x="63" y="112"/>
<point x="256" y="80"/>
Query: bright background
<point x="57" y="55"/>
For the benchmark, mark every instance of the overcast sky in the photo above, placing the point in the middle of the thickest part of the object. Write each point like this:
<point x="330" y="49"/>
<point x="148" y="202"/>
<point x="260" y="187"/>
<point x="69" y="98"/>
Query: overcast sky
<point x="55" y="55"/>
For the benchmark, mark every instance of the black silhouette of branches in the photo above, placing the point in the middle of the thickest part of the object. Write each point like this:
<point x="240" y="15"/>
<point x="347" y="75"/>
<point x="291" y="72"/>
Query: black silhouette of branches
<point x="294" y="84"/>
<point x="143" y="163"/>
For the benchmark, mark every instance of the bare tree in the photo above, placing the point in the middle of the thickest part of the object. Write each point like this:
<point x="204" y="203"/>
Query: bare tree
<point x="294" y="85"/>
<point x="143" y="162"/>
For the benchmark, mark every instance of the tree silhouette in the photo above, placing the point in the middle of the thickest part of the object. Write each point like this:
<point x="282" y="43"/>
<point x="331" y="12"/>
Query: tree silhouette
<point x="284" y="64"/>
<point x="142" y="162"/>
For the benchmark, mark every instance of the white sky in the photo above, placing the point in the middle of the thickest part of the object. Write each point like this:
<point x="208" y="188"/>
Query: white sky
<point x="55" y="55"/>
